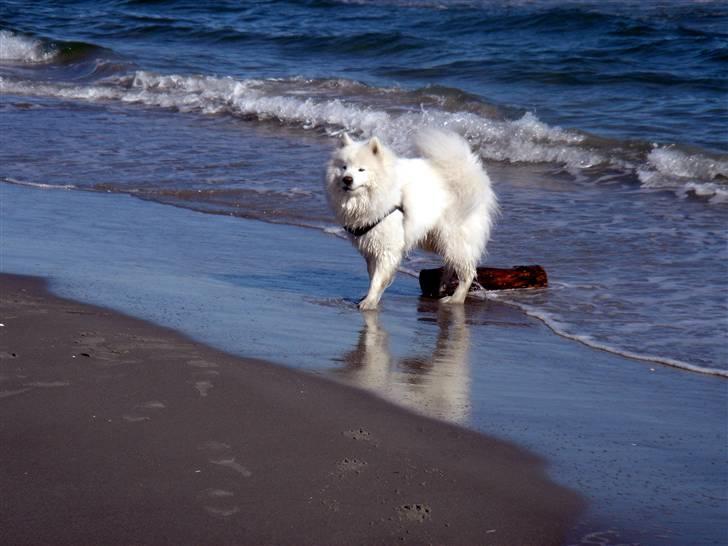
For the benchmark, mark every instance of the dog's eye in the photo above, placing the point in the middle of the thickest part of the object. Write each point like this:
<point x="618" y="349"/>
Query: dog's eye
<point x="361" y="170"/>
<point x="343" y="167"/>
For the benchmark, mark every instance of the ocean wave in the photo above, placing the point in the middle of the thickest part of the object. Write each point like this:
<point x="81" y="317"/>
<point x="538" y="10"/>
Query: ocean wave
<point x="17" y="48"/>
<point x="23" y="49"/>
<point x="333" y="106"/>
<point x="696" y="174"/>
<point x="525" y="139"/>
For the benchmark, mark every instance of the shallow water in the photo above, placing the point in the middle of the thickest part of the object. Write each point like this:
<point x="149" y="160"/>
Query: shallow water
<point x="602" y="125"/>
<point x="645" y="445"/>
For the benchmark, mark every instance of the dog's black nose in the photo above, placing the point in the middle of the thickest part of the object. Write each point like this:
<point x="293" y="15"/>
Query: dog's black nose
<point x="347" y="180"/>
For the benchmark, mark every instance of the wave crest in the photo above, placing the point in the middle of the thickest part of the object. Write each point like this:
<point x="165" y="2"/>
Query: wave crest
<point x="19" y="49"/>
<point x="23" y="49"/>
<point x="696" y="174"/>
<point x="526" y="139"/>
<point x="333" y="106"/>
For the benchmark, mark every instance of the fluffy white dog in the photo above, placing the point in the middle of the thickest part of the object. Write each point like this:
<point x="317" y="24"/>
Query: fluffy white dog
<point x="442" y="203"/>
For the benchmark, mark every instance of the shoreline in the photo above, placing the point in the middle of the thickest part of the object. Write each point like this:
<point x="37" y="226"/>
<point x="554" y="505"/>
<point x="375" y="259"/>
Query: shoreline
<point x="337" y="231"/>
<point x="134" y="433"/>
<point x="643" y="445"/>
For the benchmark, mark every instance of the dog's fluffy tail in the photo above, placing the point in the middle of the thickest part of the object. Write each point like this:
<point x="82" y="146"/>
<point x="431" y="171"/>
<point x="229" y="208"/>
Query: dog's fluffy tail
<point x="462" y="170"/>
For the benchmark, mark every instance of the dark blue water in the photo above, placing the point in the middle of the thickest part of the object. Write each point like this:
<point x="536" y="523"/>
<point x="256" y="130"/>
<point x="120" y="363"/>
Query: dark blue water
<point x="601" y="123"/>
<point x="650" y="71"/>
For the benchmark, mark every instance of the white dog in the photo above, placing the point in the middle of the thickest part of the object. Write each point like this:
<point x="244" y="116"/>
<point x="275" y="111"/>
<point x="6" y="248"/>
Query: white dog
<point x="442" y="203"/>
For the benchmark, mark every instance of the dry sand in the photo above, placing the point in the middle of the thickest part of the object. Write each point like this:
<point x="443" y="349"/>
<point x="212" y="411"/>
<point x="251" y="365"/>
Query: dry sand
<point x="116" y="431"/>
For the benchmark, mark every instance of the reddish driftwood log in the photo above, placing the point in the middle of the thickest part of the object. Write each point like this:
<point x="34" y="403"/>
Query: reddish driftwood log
<point x="490" y="278"/>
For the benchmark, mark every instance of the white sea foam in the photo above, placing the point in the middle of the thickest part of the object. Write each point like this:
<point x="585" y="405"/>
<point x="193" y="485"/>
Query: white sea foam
<point x="39" y="185"/>
<point x="524" y="140"/>
<point x="17" y="48"/>
<point x="555" y="325"/>
<point x="694" y="174"/>
<point x="714" y="192"/>
<point x="301" y="103"/>
<point x="670" y="162"/>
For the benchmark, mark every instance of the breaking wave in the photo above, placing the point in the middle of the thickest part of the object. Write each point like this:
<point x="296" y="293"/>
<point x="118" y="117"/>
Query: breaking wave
<point x="335" y="105"/>
<point x="23" y="49"/>
<point x="691" y="174"/>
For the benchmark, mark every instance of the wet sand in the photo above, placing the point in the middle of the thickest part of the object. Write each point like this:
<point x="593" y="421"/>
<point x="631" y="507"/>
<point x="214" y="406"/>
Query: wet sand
<point x="117" y="431"/>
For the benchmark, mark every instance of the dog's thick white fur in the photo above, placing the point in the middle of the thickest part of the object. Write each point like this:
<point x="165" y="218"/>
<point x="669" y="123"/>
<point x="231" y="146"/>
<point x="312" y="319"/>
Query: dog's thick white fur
<point x="446" y="205"/>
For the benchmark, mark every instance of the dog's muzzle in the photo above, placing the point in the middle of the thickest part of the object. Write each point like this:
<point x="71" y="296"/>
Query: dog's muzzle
<point x="347" y="182"/>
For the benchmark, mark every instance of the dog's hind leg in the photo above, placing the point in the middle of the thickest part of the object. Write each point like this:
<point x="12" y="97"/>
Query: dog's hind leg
<point x="462" y="246"/>
<point x="461" y="258"/>
<point x="381" y="274"/>
<point x="466" y="275"/>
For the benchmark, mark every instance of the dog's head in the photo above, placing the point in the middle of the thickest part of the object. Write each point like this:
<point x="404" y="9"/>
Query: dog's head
<point x="356" y="168"/>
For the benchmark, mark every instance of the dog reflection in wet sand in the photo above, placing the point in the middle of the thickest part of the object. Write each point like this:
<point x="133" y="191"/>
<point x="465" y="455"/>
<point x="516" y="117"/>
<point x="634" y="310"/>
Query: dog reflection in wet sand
<point x="437" y="385"/>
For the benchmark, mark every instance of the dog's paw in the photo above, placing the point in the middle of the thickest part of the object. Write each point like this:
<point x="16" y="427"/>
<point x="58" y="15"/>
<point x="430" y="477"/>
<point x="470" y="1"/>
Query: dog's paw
<point x="368" y="305"/>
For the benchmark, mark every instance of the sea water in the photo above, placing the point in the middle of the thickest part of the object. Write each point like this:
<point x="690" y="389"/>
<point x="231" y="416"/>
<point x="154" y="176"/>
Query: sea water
<point x="602" y="125"/>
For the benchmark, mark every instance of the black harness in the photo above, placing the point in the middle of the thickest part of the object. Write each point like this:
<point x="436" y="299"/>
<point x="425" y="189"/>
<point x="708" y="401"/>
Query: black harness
<point x="361" y="231"/>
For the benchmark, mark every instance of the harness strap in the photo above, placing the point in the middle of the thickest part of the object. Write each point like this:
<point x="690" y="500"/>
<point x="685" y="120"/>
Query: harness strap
<point x="361" y="231"/>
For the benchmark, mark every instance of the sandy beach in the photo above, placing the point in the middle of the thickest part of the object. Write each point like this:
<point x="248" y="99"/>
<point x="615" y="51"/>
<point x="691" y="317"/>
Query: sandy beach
<point x="116" y="431"/>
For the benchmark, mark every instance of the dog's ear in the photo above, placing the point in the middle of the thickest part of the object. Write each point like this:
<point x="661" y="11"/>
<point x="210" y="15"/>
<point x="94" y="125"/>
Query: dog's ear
<point x="345" y="140"/>
<point x="375" y="145"/>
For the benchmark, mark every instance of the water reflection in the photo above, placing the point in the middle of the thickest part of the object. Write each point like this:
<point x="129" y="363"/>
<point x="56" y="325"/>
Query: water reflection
<point x="435" y="382"/>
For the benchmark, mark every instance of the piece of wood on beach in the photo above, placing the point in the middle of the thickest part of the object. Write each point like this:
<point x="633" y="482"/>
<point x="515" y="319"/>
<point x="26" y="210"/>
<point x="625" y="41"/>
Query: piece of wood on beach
<point x="489" y="278"/>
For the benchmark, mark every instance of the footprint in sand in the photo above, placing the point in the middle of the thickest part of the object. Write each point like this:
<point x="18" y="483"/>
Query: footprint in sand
<point x="351" y="465"/>
<point x="414" y="512"/>
<point x="360" y="434"/>
<point x="219" y="454"/>
<point x="143" y="412"/>
<point x="232" y="464"/>
<point x="218" y="502"/>
<point x="203" y="372"/>
<point x="203" y="387"/>
<point x="221" y="502"/>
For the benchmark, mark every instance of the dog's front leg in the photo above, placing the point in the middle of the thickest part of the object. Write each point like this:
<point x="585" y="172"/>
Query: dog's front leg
<point x="382" y="270"/>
